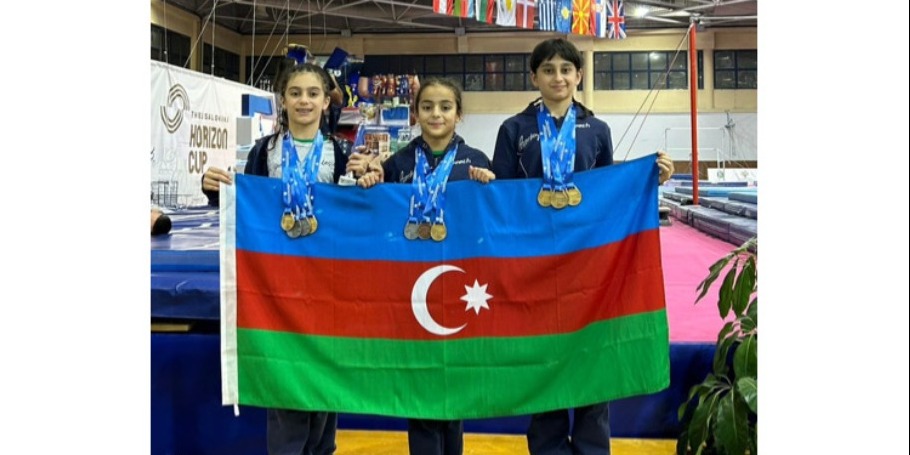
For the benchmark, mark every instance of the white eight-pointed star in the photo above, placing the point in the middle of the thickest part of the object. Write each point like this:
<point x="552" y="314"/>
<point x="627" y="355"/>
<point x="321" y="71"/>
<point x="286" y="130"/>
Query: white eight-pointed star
<point x="476" y="297"/>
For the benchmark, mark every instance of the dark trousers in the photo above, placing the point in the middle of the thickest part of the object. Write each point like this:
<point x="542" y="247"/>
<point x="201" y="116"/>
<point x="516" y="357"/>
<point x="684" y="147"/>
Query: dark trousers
<point x="435" y="437"/>
<point x="549" y="433"/>
<point x="301" y="432"/>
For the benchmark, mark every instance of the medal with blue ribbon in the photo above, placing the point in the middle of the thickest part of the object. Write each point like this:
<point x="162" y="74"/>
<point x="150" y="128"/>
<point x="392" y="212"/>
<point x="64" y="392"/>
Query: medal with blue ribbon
<point x="290" y="194"/>
<point x="557" y="154"/>
<point x="299" y="178"/>
<point x="418" y="195"/>
<point x="428" y="195"/>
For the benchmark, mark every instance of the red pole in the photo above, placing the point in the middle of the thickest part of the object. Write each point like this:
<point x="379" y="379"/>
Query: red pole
<point x="693" y="104"/>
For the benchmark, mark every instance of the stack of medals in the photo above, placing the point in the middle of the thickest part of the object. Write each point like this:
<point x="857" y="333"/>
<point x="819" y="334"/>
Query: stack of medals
<point x="557" y="154"/>
<point x="299" y="180"/>
<point x="428" y="198"/>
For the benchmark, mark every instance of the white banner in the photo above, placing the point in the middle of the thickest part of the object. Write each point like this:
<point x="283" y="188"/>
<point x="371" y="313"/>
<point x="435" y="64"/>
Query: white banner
<point x="749" y="175"/>
<point x="194" y="126"/>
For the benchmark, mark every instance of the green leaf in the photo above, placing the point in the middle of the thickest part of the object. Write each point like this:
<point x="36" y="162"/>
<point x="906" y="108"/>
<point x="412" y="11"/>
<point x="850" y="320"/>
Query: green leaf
<point x="720" y="264"/>
<point x="749" y="321"/>
<point x="726" y="331"/>
<point x="702" y="390"/>
<point x="746" y="324"/>
<point x="713" y="273"/>
<point x="700" y="425"/>
<point x="731" y="429"/>
<point x="721" y="354"/>
<point x="748" y="389"/>
<point x="725" y="296"/>
<point x="745" y="359"/>
<point x="750" y="245"/>
<point x="753" y="310"/>
<point x="681" y="413"/>
<point x="745" y="284"/>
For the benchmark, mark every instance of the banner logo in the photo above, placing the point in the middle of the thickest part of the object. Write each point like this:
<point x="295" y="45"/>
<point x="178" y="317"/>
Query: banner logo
<point x="172" y="113"/>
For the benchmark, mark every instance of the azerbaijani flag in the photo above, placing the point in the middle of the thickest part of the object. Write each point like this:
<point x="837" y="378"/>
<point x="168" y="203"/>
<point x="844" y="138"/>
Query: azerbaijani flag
<point x="521" y="309"/>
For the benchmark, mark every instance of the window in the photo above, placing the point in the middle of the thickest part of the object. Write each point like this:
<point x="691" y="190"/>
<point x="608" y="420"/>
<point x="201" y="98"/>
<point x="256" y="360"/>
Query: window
<point x="644" y="70"/>
<point x="264" y="72"/>
<point x="737" y="69"/>
<point x="475" y="72"/>
<point x="612" y="70"/>
<point x="174" y="45"/>
<point x="226" y="63"/>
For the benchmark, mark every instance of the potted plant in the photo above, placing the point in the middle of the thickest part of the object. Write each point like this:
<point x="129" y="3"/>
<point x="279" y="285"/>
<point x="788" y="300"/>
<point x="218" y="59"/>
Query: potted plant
<point x="720" y="414"/>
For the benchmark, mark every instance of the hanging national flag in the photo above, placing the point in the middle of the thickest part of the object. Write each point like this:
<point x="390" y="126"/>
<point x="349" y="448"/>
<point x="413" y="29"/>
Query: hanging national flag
<point x="462" y="8"/>
<point x="582" y="17"/>
<point x="600" y="18"/>
<point x="616" y="19"/>
<point x="520" y="309"/>
<point x="484" y="10"/>
<point x="526" y="11"/>
<point x="564" y="16"/>
<point x="505" y="13"/>
<point x="547" y="9"/>
<point x="442" y="7"/>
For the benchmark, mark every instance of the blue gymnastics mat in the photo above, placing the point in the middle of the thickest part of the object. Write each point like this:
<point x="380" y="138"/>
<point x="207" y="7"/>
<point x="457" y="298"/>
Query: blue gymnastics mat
<point x="192" y="244"/>
<point x="678" y="197"/>
<point x="714" y="191"/>
<point x="744" y="196"/>
<point x="745" y="209"/>
<point x="725" y="226"/>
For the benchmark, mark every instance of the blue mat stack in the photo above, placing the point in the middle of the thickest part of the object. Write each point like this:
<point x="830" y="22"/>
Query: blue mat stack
<point x="727" y="210"/>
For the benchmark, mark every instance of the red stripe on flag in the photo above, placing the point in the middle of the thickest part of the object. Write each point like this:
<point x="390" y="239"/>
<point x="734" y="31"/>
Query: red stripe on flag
<point x="373" y="299"/>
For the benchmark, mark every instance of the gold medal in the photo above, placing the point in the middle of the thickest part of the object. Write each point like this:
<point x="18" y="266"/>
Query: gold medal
<point x="287" y="222"/>
<point x="313" y="224"/>
<point x="543" y="197"/>
<point x="559" y="199"/>
<point x="410" y="231"/>
<point x="438" y="232"/>
<point x="574" y="196"/>
<point x="423" y="231"/>
<point x="294" y="231"/>
<point x="304" y="227"/>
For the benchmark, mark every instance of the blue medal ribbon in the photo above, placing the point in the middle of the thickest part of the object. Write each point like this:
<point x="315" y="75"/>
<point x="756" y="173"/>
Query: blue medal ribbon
<point x="299" y="178"/>
<point x="289" y="177"/>
<point x="570" y="147"/>
<point x="418" y="186"/>
<point x="433" y="197"/>
<point x="546" y="127"/>
<point x="557" y="149"/>
<point x="310" y="172"/>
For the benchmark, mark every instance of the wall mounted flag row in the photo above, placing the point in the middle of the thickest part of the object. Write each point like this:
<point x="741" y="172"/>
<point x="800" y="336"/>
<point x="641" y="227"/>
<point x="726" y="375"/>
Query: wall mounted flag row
<point x="600" y="18"/>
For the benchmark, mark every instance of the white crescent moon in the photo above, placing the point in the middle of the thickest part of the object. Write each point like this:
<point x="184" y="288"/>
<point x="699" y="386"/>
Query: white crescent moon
<point x="419" y="301"/>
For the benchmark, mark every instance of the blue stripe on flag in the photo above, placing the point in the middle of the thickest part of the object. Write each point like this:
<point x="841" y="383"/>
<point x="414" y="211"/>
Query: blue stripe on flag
<point x="500" y="219"/>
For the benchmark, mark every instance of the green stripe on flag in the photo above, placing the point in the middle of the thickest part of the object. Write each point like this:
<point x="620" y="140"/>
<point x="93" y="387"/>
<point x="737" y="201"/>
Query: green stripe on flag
<point x="455" y="379"/>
